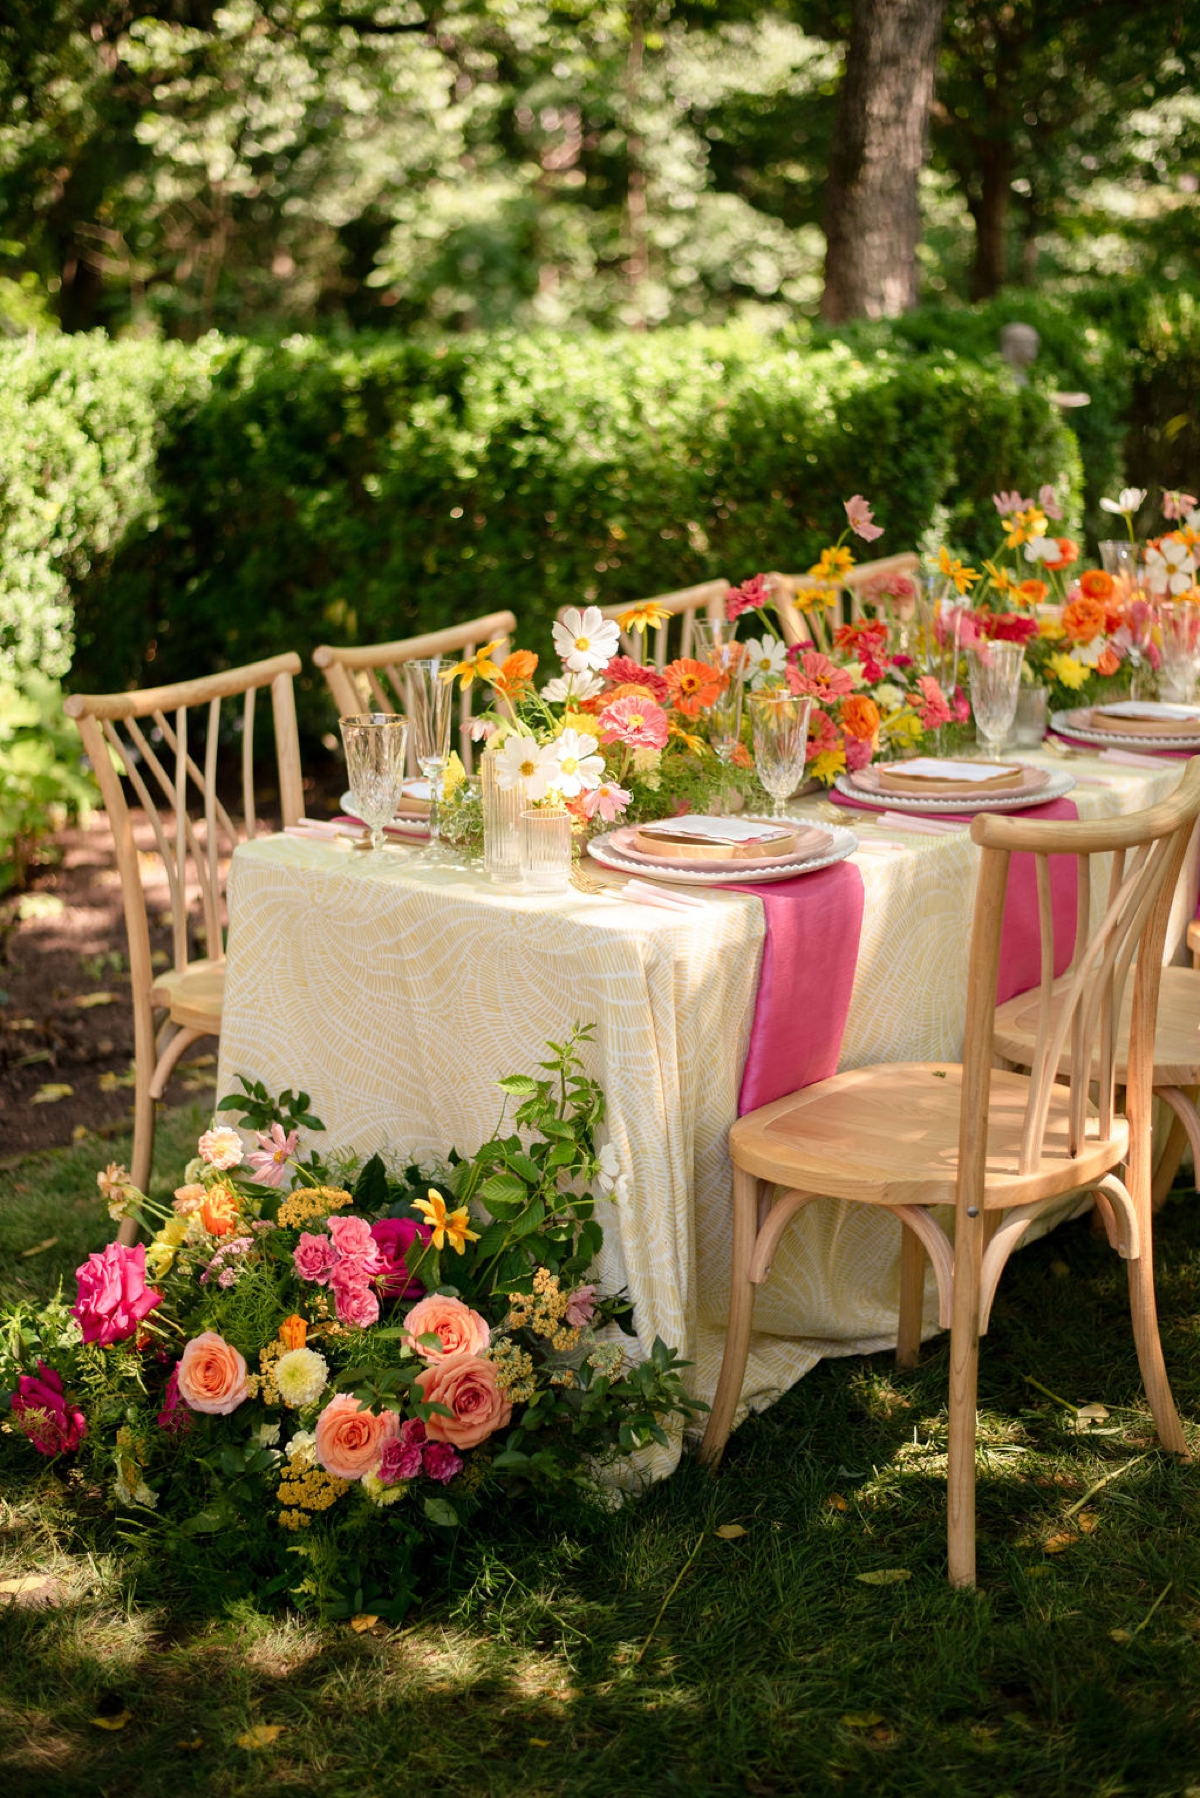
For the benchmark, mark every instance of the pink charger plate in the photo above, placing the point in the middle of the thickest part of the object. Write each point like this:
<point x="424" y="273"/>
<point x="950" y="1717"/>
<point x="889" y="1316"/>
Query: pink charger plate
<point x="808" y="842"/>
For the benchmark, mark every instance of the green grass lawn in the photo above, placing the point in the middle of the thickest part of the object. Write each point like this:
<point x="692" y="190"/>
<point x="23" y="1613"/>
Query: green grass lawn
<point x="773" y="1667"/>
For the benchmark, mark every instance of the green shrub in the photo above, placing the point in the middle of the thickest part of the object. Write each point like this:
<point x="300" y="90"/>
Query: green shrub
<point x="42" y="781"/>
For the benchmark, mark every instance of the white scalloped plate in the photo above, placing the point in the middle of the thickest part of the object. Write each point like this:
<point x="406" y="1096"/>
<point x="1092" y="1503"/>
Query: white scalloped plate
<point x="1056" y="787"/>
<point x="1060" y="724"/>
<point x="844" y="843"/>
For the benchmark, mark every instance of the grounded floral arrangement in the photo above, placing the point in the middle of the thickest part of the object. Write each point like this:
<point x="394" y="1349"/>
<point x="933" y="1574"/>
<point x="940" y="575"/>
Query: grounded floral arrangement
<point x="330" y="1379"/>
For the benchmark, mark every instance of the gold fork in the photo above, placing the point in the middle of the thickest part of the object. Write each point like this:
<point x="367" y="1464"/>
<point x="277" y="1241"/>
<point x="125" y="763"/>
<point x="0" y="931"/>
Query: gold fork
<point x="585" y="882"/>
<point x="833" y="814"/>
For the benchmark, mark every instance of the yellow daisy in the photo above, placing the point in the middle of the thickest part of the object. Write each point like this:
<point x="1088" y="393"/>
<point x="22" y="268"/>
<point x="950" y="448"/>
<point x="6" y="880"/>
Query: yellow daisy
<point x="445" y="1224"/>
<point x="647" y="615"/>
<point x="480" y="666"/>
<point x="956" y="571"/>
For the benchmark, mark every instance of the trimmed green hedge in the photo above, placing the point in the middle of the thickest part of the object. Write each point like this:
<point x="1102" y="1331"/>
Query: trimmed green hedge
<point x="202" y="505"/>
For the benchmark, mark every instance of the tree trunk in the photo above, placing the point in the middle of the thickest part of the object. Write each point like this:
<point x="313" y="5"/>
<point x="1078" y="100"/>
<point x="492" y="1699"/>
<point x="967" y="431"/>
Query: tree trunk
<point x="880" y="142"/>
<point x="989" y="271"/>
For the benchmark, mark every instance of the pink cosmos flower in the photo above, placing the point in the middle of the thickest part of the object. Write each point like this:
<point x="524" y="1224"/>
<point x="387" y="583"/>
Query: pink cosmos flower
<point x="313" y="1257"/>
<point x="581" y="1307"/>
<point x="269" y="1161"/>
<point x="640" y="723"/>
<point x="931" y="706"/>
<point x="607" y="801"/>
<point x="113" y="1297"/>
<point x="482" y="729"/>
<point x="623" y="671"/>
<point x="750" y="596"/>
<point x="441" y="1462"/>
<point x="1005" y="503"/>
<point x="859" y="517"/>
<point x="1048" y="501"/>
<point x="1176" y="506"/>
<point x="43" y="1414"/>
<point x="814" y="673"/>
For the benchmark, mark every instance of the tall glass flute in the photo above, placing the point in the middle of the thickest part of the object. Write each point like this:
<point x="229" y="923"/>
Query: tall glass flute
<point x="995" y="686"/>
<point x="1179" y="670"/>
<point x="376" y="744"/>
<point x="724" y="713"/>
<point x="1119" y="559"/>
<point x="431" y="712"/>
<point x="941" y="631"/>
<point x="780" y="724"/>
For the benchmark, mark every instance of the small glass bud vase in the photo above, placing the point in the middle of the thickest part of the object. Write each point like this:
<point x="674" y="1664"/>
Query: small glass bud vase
<point x="546" y="839"/>
<point x="501" y="824"/>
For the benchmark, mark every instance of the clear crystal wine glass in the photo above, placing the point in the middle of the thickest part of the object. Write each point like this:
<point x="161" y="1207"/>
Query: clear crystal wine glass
<point x="995" y="684"/>
<point x="431" y="712"/>
<point x="780" y="724"/>
<point x="1179" y="670"/>
<point x="376" y="744"/>
<point x="724" y="713"/>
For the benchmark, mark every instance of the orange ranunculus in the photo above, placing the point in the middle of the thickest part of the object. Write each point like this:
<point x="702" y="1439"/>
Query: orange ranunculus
<point x="219" y="1212"/>
<point x="1108" y="662"/>
<point x="1083" y="619"/>
<point x="1068" y="553"/>
<point x="516" y="673"/>
<point x="1095" y="584"/>
<point x="293" y="1331"/>
<point x="1031" y="593"/>
<point x="860" y="717"/>
<point x="692" y="685"/>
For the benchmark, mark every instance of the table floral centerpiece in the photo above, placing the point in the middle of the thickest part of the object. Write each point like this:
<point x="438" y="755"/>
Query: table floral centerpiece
<point x="317" y="1374"/>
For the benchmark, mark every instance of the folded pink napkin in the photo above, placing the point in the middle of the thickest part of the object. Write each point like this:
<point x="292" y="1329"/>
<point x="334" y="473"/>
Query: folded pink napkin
<point x="642" y="893"/>
<point x="1132" y="758"/>
<point x="921" y="825"/>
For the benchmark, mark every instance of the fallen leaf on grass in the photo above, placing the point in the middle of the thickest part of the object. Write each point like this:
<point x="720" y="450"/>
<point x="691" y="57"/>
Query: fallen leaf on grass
<point x="110" y="1082"/>
<point x="538" y="1742"/>
<point x="862" y="1719"/>
<point x="39" y="1248"/>
<point x="191" y="1747"/>
<point x="51" y="1093"/>
<point x="117" y="1721"/>
<point x="29" y="1588"/>
<point x="364" y="1621"/>
<point x="884" y="1576"/>
<point x="1092" y="1414"/>
<point x="39" y="905"/>
<point x="1120" y="1635"/>
<point x="261" y="1736"/>
<point x="729" y="1532"/>
<point x="200" y="1061"/>
<point x="835" y="1502"/>
<point x="1059" y="1542"/>
<point x="89" y="1001"/>
<point x="1086" y="1522"/>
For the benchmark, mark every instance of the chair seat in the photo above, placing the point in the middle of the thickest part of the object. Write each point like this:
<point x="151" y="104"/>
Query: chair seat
<point x="889" y="1136"/>
<point x="192" y="995"/>
<point x="1176" y="1033"/>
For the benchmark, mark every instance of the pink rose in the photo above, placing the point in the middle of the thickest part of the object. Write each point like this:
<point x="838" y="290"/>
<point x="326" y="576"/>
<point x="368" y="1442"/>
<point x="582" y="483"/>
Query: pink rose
<point x="393" y="1238"/>
<point x="350" y="1440"/>
<point x="441" y="1462"/>
<point x="581" y="1307"/>
<point x="113" y="1296"/>
<point x="402" y="1455"/>
<point x="212" y="1375"/>
<point x="460" y="1330"/>
<point x="52" y="1425"/>
<point x="356" y="1303"/>
<point x="467" y="1386"/>
<point x="313" y="1257"/>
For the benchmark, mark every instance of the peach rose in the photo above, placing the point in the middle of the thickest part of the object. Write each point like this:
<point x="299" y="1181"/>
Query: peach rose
<point x="212" y="1375"/>
<point x="860" y="717"/>
<point x="350" y="1440"/>
<point x="467" y="1386"/>
<point x="460" y="1330"/>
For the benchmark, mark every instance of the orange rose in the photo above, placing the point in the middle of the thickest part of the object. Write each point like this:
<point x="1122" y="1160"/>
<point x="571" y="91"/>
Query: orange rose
<point x="1083" y="619"/>
<point x="219" y="1212"/>
<point x="1095" y="584"/>
<point x="212" y="1375"/>
<point x="1068" y="552"/>
<point x="1032" y="593"/>
<point x="459" y="1330"/>
<point x="350" y="1440"/>
<point x="860" y="717"/>
<point x="293" y="1331"/>
<point x="467" y="1387"/>
<point x="1108" y="662"/>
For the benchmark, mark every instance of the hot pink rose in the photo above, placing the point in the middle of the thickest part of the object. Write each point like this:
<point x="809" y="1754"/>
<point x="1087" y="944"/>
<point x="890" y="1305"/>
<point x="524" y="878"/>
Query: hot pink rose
<point x="393" y="1238"/>
<point x="460" y="1330"/>
<point x="52" y="1425"/>
<point x="441" y="1462"/>
<point x="350" y="1440"/>
<point x="113" y="1295"/>
<point x="467" y="1386"/>
<point x="313" y="1257"/>
<point x="357" y="1303"/>
<point x="212" y="1375"/>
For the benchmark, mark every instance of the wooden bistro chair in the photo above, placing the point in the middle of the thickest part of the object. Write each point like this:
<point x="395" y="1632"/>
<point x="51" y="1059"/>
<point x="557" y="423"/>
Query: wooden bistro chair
<point x="998" y="1146"/>
<point x="846" y="597"/>
<point x="651" y="649"/>
<point x="371" y="678"/>
<point x="149" y="739"/>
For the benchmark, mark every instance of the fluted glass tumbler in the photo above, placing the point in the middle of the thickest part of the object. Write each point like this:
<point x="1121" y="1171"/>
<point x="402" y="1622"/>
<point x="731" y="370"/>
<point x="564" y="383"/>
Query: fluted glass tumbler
<point x="376" y="744"/>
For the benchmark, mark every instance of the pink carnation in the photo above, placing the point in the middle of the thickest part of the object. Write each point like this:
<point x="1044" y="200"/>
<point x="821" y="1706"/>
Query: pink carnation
<point x="313" y="1258"/>
<point x="353" y="1241"/>
<point x="43" y="1414"/>
<point x="859" y="751"/>
<point x="639" y="723"/>
<point x="441" y="1462"/>
<point x="403" y="1454"/>
<point x="113" y="1297"/>
<point x="357" y="1304"/>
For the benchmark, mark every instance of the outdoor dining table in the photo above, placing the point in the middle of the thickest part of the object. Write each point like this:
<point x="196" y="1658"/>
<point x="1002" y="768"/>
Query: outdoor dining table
<point x="396" y="992"/>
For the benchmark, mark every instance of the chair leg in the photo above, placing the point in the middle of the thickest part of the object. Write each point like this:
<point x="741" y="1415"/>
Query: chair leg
<point x="964" y="1392"/>
<point x="912" y="1297"/>
<point x="1144" y="1311"/>
<point x="741" y="1317"/>
<point x="143" y="1146"/>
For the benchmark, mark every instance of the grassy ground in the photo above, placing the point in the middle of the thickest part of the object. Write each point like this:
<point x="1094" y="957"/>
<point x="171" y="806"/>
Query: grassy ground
<point x="646" y="1654"/>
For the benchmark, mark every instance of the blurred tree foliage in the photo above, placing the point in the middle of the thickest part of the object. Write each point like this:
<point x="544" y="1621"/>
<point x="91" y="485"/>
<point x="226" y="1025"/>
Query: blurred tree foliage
<point x="273" y="165"/>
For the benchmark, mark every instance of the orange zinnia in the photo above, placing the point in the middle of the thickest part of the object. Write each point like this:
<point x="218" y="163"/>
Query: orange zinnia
<point x="1032" y="593"/>
<point x="1083" y="619"/>
<point x="860" y="717"/>
<point x="1095" y="584"/>
<point x="1068" y="552"/>
<point x="692" y="685"/>
<point x="516" y="672"/>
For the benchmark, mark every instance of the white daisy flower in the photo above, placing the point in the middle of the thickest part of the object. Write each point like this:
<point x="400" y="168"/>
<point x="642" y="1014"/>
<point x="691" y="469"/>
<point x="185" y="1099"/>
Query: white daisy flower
<point x="579" y="767"/>
<point x="766" y="660"/>
<point x="572" y="686"/>
<point x="1169" y="567"/>
<point x="523" y="761"/>
<point x="1126" y="502"/>
<point x="301" y="1375"/>
<point x="586" y="639"/>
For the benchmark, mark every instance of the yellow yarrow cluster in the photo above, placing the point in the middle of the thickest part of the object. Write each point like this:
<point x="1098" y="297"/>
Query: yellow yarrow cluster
<point x="514" y="1369"/>
<point x="303" y="1491"/>
<point x="268" y="1391"/>
<point x="542" y="1311"/>
<point x="309" y="1202"/>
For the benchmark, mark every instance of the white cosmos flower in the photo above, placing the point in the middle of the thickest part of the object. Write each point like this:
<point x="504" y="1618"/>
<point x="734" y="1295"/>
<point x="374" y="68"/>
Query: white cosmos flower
<point x="766" y="659"/>
<point x="586" y="639"/>
<point x="1041" y="549"/>
<point x="525" y="760"/>
<point x="572" y="686"/>
<point x="1089" y="653"/>
<point x="300" y="1376"/>
<point x="611" y="1175"/>
<point x="579" y="767"/>
<point x="1169" y="567"/>
<point x="1126" y="502"/>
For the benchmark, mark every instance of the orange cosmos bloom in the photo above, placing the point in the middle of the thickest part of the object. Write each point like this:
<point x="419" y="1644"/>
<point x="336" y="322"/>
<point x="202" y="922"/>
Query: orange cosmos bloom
<point x="1095" y="584"/>
<point x="1032" y="593"/>
<point x="692" y="685"/>
<point x="1068" y="552"/>
<point x="1083" y="619"/>
<point x="860" y="717"/>
<point x="516" y="672"/>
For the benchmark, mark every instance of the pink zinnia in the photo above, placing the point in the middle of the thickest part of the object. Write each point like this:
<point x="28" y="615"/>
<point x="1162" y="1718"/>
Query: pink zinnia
<point x="823" y="734"/>
<point x="752" y="595"/>
<point x="814" y="673"/>
<point x="606" y="801"/>
<point x="623" y="671"/>
<point x="640" y="723"/>
<point x="931" y="706"/>
<point x="269" y="1161"/>
<point x="858" y="514"/>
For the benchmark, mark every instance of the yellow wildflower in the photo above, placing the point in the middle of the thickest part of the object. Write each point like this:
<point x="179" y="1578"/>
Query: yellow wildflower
<point x="956" y="571"/>
<point x="827" y="765"/>
<point x="453" y="774"/>
<point x="305" y="1203"/>
<point x="1052" y="629"/>
<point x="697" y="745"/>
<point x="806" y="598"/>
<point x="1001" y="579"/>
<point x="1023" y="527"/>
<point x="480" y="666"/>
<point x="833" y="565"/>
<point x="648" y="615"/>
<point x="1068" y="670"/>
<point x="445" y="1224"/>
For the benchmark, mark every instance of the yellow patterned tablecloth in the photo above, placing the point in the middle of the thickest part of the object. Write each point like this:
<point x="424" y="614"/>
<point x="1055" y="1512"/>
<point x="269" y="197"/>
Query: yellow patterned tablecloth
<point x="398" y="993"/>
